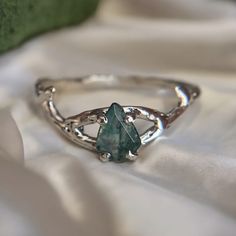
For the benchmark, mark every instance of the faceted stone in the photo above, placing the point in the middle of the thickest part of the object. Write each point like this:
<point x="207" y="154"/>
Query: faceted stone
<point x="116" y="136"/>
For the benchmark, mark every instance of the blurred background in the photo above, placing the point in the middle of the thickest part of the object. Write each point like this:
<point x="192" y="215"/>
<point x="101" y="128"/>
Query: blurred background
<point x="184" y="184"/>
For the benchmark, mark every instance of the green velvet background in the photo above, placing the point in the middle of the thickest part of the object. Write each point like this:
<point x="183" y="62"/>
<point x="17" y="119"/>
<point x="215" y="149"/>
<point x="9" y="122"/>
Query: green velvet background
<point x="21" y="19"/>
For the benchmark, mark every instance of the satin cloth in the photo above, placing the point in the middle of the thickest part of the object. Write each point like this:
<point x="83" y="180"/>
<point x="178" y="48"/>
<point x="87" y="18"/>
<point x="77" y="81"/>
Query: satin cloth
<point x="183" y="184"/>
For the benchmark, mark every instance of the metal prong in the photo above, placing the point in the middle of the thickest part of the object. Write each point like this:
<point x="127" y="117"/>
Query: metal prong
<point x="132" y="156"/>
<point x="105" y="157"/>
<point x="102" y="119"/>
<point x="130" y="117"/>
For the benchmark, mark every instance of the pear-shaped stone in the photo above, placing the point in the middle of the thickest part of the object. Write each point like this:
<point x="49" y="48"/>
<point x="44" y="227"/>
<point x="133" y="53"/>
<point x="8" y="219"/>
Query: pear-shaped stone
<point x="117" y="137"/>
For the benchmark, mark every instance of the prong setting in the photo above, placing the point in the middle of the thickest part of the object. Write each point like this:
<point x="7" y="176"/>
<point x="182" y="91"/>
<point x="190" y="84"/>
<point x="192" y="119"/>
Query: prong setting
<point x="132" y="156"/>
<point x="102" y="119"/>
<point x="130" y="118"/>
<point x="105" y="157"/>
<point x="117" y="134"/>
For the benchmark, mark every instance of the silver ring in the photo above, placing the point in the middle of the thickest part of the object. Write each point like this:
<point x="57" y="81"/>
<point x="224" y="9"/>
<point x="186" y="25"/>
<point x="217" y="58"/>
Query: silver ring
<point x="118" y="139"/>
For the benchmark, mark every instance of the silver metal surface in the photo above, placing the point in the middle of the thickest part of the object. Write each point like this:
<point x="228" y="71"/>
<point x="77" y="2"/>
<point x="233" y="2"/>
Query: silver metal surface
<point x="73" y="127"/>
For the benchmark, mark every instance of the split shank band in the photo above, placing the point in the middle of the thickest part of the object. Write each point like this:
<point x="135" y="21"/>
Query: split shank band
<point x="73" y="127"/>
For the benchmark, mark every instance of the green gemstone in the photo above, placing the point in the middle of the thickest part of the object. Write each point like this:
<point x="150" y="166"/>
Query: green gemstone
<point x="116" y="136"/>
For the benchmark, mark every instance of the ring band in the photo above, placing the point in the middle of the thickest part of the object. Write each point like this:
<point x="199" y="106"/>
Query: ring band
<point x="118" y="139"/>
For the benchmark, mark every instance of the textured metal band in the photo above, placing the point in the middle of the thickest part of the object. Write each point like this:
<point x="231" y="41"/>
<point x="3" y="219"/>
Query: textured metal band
<point x="73" y="127"/>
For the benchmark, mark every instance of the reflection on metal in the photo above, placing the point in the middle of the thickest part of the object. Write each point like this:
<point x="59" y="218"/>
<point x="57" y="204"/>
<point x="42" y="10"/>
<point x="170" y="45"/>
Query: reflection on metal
<point x="73" y="127"/>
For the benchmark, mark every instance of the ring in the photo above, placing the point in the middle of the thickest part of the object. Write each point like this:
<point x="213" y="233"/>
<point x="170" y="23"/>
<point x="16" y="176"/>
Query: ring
<point x="117" y="139"/>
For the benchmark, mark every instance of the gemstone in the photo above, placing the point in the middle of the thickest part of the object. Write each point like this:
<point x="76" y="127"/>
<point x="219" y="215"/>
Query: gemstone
<point x="116" y="136"/>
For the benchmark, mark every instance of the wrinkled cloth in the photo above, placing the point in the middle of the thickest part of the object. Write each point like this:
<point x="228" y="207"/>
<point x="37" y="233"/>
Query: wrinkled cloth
<point x="182" y="184"/>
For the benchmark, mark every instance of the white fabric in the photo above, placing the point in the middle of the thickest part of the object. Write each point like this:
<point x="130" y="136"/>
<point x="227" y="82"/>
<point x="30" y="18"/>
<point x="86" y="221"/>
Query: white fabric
<point x="183" y="184"/>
